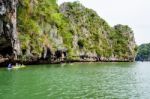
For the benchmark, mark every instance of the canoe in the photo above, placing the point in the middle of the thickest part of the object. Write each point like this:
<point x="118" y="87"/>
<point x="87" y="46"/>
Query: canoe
<point x="17" y="67"/>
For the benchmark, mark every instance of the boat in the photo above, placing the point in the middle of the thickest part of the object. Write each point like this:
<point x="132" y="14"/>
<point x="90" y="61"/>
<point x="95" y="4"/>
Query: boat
<point x="16" y="67"/>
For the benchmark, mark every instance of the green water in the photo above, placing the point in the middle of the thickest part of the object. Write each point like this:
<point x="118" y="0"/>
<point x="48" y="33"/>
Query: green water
<point x="77" y="81"/>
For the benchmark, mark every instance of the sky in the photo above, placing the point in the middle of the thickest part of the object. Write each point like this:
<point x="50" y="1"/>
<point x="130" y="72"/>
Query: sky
<point x="134" y="13"/>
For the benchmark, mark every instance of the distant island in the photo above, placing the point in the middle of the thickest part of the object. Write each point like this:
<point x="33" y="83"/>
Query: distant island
<point x="40" y="31"/>
<point x="143" y="53"/>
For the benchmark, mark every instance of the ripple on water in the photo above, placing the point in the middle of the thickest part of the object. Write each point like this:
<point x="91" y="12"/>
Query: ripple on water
<point x="78" y="81"/>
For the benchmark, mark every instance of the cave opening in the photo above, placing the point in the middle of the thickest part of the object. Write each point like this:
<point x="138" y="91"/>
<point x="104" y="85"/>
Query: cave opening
<point x="6" y="48"/>
<point x="6" y="51"/>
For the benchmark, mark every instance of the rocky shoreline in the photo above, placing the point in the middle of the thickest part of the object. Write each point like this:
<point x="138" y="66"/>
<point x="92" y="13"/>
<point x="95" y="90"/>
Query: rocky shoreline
<point x="5" y="61"/>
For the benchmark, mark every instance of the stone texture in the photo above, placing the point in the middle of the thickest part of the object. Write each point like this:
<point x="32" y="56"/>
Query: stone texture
<point x="8" y="29"/>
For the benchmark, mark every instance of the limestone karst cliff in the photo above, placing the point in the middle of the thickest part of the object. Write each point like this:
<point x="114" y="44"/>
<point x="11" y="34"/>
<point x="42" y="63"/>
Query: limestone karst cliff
<point x="34" y="30"/>
<point x="92" y="35"/>
<point x="9" y="42"/>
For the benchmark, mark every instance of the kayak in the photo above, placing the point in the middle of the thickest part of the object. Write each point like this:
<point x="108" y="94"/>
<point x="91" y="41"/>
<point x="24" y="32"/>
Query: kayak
<point x="17" y="67"/>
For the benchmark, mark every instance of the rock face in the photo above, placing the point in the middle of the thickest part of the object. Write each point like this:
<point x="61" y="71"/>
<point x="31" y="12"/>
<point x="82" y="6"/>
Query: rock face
<point x="124" y="43"/>
<point x="93" y="37"/>
<point x="9" y="42"/>
<point x="38" y="30"/>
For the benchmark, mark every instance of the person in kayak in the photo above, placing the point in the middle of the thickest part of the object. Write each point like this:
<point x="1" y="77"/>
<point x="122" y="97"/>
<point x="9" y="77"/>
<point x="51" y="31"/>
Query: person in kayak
<point x="9" y="65"/>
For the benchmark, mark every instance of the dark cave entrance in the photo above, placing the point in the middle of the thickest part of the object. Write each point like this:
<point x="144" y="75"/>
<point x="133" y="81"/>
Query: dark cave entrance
<point x="6" y="51"/>
<point x="5" y="47"/>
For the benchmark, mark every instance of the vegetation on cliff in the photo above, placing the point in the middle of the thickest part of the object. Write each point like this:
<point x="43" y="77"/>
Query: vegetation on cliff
<point x="143" y="53"/>
<point x="70" y="26"/>
<point x="70" y="31"/>
<point x="34" y="25"/>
